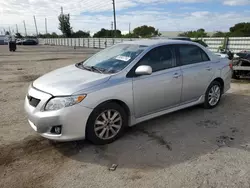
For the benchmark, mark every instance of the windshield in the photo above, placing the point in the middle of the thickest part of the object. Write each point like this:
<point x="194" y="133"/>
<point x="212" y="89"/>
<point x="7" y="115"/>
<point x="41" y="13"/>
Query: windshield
<point x="114" y="59"/>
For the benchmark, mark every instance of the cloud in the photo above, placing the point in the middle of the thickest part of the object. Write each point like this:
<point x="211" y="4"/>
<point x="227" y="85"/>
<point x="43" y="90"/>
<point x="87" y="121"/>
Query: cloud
<point x="188" y="8"/>
<point x="236" y="2"/>
<point x="91" y="15"/>
<point x="171" y="1"/>
<point x="167" y="21"/>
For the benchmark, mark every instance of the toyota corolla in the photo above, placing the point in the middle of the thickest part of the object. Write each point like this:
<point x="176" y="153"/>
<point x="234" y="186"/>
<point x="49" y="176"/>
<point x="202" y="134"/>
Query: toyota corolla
<point x="124" y="85"/>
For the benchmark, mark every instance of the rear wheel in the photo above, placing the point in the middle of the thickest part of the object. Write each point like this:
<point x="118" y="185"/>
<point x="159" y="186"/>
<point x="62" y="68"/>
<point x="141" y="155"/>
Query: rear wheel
<point x="213" y="95"/>
<point x="106" y="123"/>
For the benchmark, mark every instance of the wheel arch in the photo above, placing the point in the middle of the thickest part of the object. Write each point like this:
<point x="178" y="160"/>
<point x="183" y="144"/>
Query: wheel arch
<point x="117" y="101"/>
<point x="221" y="81"/>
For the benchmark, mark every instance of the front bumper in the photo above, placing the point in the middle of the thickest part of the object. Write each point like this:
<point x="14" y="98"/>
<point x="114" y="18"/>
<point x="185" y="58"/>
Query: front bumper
<point x="73" y="119"/>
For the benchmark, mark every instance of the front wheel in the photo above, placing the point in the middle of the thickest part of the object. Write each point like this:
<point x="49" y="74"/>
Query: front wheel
<point x="213" y="95"/>
<point x="106" y="123"/>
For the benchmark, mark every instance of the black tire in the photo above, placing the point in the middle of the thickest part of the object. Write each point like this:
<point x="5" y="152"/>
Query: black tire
<point x="90" y="132"/>
<point x="206" y="104"/>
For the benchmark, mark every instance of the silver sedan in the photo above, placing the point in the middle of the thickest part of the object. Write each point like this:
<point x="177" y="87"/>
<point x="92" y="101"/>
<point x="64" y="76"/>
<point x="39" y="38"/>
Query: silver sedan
<point x="124" y="85"/>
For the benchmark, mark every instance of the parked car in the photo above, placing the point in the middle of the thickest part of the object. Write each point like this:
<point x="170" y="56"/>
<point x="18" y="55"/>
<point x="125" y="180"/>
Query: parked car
<point x="29" y="42"/>
<point x="19" y="41"/>
<point x="123" y="85"/>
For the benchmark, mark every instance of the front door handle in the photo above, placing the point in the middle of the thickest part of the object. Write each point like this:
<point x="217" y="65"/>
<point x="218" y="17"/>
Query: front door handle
<point x="176" y="75"/>
<point x="209" y="68"/>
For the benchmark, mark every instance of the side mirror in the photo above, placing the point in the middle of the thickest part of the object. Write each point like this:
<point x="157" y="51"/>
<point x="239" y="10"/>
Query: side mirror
<point x="143" y="70"/>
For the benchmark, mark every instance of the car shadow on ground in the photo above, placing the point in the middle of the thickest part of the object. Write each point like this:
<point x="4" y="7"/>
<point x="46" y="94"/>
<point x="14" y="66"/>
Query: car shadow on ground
<point x="172" y="138"/>
<point x="164" y="141"/>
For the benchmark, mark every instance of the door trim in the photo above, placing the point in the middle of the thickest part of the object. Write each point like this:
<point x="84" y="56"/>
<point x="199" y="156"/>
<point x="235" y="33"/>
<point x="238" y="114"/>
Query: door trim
<point x="166" y="111"/>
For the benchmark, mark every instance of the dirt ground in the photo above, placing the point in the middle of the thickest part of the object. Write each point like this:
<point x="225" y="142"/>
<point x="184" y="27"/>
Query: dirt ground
<point x="189" y="148"/>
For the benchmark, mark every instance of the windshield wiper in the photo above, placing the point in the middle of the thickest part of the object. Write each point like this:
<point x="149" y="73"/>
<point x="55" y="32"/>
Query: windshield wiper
<point x="92" y="68"/>
<point x="96" y="69"/>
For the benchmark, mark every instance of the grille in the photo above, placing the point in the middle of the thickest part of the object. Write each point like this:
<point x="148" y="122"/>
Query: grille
<point x="33" y="101"/>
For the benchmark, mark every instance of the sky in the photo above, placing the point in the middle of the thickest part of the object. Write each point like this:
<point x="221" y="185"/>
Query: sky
<point x="92" y="15"/>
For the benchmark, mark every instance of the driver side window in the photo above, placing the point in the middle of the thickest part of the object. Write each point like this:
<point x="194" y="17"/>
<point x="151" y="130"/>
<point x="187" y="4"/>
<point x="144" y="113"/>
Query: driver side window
<point x="159" y="58"/>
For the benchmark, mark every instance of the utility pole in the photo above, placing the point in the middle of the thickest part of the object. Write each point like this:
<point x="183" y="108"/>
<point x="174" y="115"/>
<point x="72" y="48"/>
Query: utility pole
<point x="114" y="18"/>
<point x="25" y="27"/>
<point x="61" y="10"/>
<point x="46" y="29"/>
<point x="129" y="28"/>
<point x="112" y="31"/>
<point x="16" y="28"/>
<point x="35" y="26"/>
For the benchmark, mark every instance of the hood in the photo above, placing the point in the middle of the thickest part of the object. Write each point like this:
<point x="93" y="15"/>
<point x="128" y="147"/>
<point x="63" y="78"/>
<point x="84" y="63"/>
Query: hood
<point x="68" y="80"/>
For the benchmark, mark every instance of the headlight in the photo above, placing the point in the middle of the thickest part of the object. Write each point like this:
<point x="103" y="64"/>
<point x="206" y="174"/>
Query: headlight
<point x="61" y="102"/>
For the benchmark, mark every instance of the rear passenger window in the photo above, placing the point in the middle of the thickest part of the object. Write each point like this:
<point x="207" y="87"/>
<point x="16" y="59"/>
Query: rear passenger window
<point x="159" y="58"/>
<point x="204" y="56"/>
<point x="191" y="54"/>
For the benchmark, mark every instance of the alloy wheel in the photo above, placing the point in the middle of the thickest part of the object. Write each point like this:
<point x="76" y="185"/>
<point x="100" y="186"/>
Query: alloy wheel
<point x="108" y="124"/>
<point x="214" y="95"/>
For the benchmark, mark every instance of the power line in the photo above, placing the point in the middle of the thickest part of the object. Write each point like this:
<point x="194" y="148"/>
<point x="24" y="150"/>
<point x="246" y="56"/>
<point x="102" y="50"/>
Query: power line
<point x="100" y="6"/>
<point x="93" y="8"/>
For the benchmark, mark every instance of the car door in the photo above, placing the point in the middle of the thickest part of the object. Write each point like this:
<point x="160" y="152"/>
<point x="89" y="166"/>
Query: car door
<point x="197" y="71"/>
<point x="161" y="89"/>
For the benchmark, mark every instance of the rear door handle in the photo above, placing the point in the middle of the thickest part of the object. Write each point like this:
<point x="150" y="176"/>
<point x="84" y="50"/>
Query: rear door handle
<point x="176" y="75"/>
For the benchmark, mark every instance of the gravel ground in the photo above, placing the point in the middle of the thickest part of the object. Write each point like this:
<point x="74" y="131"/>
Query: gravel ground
<point x="189" y="148"/>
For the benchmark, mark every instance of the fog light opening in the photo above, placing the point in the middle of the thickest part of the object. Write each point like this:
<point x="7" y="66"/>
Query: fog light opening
<point x="56" y="129"/>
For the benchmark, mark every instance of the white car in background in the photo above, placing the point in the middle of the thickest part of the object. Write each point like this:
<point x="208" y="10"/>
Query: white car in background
<point x="221" y="55"/>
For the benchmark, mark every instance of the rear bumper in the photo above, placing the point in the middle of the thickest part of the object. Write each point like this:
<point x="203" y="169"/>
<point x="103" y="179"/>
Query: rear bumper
<point x="72" y="119"/>
<point x="227" y="82"/>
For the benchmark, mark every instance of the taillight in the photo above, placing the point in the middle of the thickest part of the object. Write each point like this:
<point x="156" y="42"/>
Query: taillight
<point x="231" y="65"/>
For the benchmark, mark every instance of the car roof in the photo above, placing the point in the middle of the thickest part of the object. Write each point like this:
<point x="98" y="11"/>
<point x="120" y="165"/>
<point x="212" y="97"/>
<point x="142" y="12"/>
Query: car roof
<point x="153" y="42"/>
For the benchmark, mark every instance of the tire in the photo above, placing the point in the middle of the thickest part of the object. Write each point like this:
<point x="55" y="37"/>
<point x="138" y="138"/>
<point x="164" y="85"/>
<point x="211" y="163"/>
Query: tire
<point x="209" y="103"/>
<point x="96" y="118"/>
